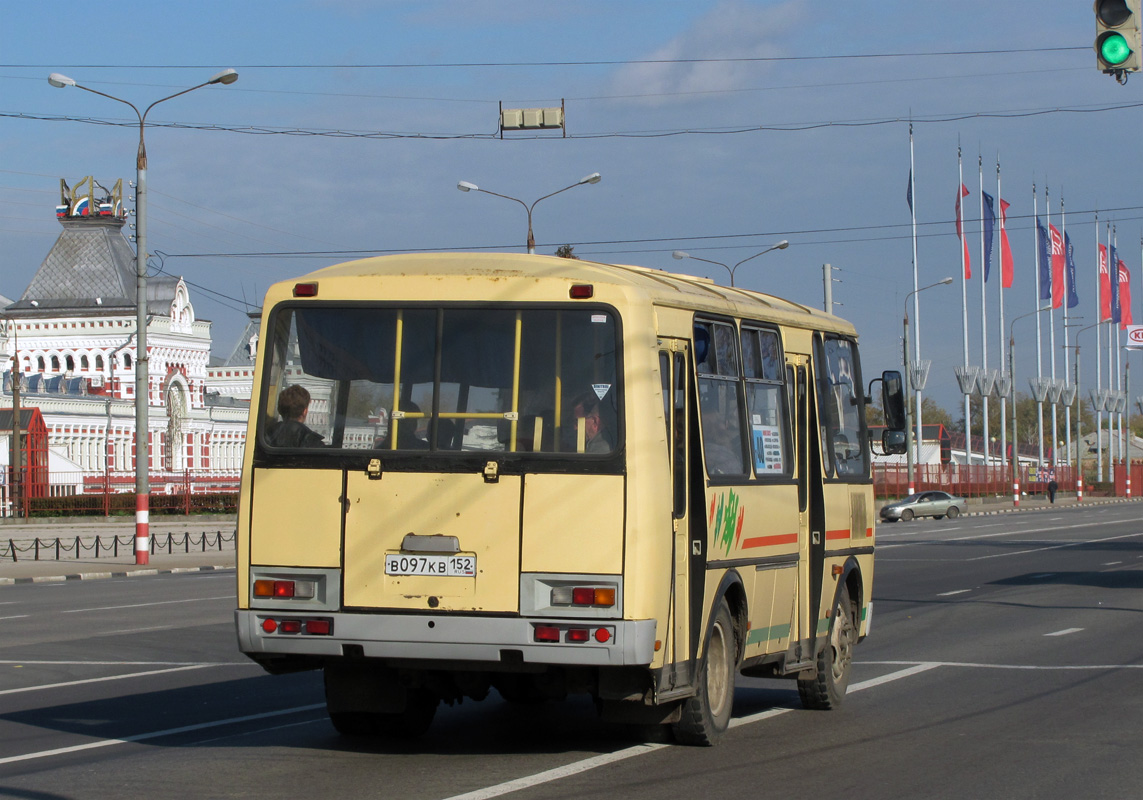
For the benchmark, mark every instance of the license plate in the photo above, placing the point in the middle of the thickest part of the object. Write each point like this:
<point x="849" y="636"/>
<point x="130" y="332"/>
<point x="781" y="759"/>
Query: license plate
<point x="445" y="566"/>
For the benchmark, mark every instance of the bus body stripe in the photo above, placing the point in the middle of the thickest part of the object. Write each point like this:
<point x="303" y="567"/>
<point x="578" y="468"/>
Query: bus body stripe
<point x="770" y="541"/>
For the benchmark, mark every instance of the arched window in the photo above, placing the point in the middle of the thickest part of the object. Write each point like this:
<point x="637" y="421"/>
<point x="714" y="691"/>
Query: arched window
<point x="55" y="363"/>
<point x="40" y="364"/>
<point x="84" y="364"/>
<point x="127" y="361"/>
<point x="99" y="363"/>
<point x="69" y="362"/>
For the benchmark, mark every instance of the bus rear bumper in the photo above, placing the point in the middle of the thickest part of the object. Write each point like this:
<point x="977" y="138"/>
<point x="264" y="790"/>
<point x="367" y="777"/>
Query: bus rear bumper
<point x="450" y="639"/>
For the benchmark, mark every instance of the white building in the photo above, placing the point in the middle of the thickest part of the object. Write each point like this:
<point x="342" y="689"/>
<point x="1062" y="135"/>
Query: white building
<point x="73" y="333"/>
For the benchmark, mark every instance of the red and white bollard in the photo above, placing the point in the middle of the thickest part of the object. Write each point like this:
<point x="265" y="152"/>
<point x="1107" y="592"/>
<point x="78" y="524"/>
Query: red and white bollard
<point x="1079" y="489"/>
<point x="1016" y="494"/>
<point x="142" y="530"/>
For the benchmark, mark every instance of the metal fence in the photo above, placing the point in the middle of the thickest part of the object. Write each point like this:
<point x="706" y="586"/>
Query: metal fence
<point x="892" y="480"/>
<point x="113" y="494"/>
<point x="77" y="547"/>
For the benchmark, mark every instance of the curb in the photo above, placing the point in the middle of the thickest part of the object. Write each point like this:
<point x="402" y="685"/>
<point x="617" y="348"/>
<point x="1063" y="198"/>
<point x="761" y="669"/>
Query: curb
<point x="87" y="576"/>
<point x="1051" y="507"/>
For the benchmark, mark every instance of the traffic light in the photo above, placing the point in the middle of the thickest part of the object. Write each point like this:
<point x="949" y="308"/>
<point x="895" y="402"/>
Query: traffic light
<point x="1117" y="36"/>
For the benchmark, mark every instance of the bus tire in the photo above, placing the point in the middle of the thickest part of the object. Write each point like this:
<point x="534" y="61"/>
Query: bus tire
<point x="706" y="715"/>
<point x="420" y="708"/>
<point x="826" y="689"/>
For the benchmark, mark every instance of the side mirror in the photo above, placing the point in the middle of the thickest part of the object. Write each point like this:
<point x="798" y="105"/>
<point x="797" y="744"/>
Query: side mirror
<point x="893" y="400"/>
<point x="893" y="442"/>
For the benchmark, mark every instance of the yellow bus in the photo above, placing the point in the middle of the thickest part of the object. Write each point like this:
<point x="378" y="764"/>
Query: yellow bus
<point x="547" y="476"/>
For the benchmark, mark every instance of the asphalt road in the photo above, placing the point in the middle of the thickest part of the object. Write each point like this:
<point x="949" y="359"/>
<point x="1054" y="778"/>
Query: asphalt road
<point x="1003" y="662"/>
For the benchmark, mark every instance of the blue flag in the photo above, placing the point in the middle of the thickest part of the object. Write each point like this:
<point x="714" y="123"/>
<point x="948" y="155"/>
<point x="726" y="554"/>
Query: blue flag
<point x="1045" y="261"/>
<point x="909" y="192"/>
<point x="1113" y="270"/>
<point x="989" y="224"/>
<point x="1070" y="272"/>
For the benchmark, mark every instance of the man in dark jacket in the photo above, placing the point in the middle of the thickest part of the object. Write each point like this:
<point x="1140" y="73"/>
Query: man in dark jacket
<point x="293" y="405"/>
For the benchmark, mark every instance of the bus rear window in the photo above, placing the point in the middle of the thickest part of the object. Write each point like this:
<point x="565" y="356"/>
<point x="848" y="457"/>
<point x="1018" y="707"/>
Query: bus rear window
<point x="446" y="379"/>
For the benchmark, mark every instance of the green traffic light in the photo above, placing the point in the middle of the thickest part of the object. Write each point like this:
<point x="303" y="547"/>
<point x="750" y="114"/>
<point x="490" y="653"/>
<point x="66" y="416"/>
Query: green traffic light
<point x="1113" y="49"/>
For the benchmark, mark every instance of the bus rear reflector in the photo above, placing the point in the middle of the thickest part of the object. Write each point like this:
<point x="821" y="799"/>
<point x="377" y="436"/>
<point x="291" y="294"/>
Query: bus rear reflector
<point x="319" y="627"/>
<point x="582" y="291"/>
<point x="547" y="633"/>
<point x="291" y="626"/>
<point x="269" y="625"/>
<point x="602" y="635"/>
<point x="305" y="290"/>
<point x="578" y="634"/>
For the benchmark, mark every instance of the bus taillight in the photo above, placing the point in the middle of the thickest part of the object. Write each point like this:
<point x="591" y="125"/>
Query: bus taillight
<point x="600" y="596"/>
<point x="284" y="590"/>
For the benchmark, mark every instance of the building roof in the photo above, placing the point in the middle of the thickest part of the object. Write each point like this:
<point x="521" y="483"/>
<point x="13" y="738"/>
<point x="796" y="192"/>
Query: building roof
<point x="91" y="266"/>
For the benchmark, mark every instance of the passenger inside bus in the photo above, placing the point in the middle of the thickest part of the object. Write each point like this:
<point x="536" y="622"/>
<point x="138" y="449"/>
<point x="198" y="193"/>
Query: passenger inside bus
<point x="596" y="437"/>
<point x="406" y="426"/>
<point x="293" y="406"/>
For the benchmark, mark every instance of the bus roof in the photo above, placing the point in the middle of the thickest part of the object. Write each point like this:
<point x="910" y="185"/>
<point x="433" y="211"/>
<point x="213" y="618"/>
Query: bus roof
<point x="659" y="286"/>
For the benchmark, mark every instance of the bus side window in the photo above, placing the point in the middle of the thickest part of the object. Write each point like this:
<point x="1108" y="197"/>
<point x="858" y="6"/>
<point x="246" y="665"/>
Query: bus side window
<point x="720" y="399"/>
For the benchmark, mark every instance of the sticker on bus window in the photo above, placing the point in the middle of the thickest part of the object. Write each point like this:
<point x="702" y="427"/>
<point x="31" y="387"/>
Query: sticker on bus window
<point x="767" y="449"/>
<point x="601" y="389"/>
<point x="599" y="318"/>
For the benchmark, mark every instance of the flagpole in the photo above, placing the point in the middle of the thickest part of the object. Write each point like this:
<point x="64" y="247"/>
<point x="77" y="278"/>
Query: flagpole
<point x="984" y="383"/>
<point x="1039" y="335"/>
<point x="1098" y="360"/>
<point x="1052" y="333"/>
<point x="1067" y="359"/>
<point x="917" y="439"/>
<point x="1000" y="338"/>
<point x="1118" y="358"/>
<point x="964" y="310"/>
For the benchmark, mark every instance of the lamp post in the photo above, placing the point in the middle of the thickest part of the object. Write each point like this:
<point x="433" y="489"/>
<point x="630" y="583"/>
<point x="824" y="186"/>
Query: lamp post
<point x="142" y="379"/>
<point x="782" y="245"/>
<point x="465" y="186"/>
<point x="910" y="458"/>
<point x="1012" y="372"/>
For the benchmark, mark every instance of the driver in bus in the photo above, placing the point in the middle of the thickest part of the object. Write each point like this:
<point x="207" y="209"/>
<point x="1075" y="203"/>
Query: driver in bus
<point x="293" y="406"/>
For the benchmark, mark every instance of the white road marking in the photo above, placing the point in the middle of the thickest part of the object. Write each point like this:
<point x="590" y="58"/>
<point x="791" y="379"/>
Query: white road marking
<point x="1064" y="632"/>
<point x="1056" y="547"/>
<point x="18" y="616"/>
<point x="954" y="591"/>
<point x="156" y="734"/>
<point x="642" y="749"/>
<point x="147" y="605"/>
<point x="41" y="687"/>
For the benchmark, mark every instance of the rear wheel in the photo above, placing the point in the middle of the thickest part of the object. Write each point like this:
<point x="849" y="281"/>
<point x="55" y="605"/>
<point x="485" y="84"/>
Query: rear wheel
<point x="706" y="715"/>
<point x="953" y="512"/>
<point x="907" y="515"/>
<point x="826" y="689"/>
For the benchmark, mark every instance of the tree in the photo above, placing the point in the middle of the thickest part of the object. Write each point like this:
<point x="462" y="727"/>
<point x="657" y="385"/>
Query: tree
<point x="566" y="251"/>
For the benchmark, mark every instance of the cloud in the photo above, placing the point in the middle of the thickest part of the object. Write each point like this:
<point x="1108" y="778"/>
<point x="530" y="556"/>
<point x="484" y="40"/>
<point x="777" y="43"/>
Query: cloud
<point x="732" y="29"/>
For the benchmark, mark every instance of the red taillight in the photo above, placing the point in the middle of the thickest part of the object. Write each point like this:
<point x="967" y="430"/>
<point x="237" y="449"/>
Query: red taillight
<point x="283" y="588"/>
<point x="547" y="633"/>
<point x="578" y="634"/>
<point x="602" y="635"/>
<point x="581" y="291"/>
<point x="269" y="625"/>
<point x="319" y="627"/>
<point x="583" y="596"/>
<point x="291" y="626"/>
<point x="305" y="290"/>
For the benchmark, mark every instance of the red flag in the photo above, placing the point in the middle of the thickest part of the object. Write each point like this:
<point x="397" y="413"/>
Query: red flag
<point x="1005" y="249"/>
<point x="1124" y="296"/>
<point x="1057" y="266"/>
<point x="960" y="232"/>
<point x="1104" y="286"/>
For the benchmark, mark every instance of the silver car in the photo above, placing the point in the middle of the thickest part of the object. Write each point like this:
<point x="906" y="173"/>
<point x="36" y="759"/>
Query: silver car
<point x="924" y="504"/>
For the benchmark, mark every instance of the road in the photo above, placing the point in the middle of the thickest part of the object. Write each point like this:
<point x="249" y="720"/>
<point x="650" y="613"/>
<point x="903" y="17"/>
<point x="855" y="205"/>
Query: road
<point x="1003" y="662"/>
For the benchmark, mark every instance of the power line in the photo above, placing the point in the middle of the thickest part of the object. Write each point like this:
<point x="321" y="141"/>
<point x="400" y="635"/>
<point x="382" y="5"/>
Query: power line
<point x="583" y="63"/>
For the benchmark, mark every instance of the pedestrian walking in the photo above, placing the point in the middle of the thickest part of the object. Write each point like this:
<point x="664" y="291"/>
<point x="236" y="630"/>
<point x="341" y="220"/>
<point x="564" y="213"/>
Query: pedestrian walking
<point x="1052" y="488"/>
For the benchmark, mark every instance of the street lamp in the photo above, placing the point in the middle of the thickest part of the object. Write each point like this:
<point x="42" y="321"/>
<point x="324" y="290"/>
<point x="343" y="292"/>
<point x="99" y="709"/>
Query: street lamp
<point x="142" y="379"/>
<point x="465" y="186"/>
<point x="910" y="458"/>
<point x="1012" y="372"/>
<point x="782" y="245"/>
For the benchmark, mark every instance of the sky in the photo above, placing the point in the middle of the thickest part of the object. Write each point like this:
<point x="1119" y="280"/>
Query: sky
<point x="720" y="127"/>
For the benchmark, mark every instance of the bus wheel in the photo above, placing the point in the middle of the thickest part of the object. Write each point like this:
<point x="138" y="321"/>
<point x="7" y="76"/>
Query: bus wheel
<point x="706" y="715"/>
<point x="826" y="689"/>
<point x="420" y="708"/>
